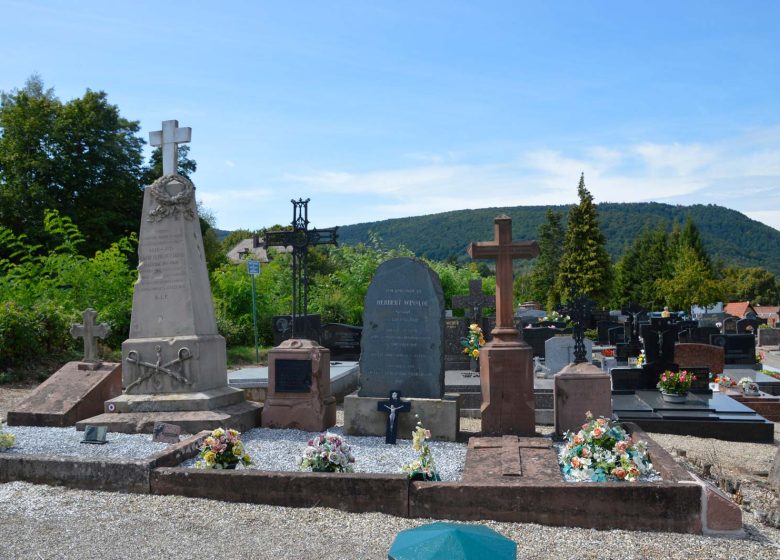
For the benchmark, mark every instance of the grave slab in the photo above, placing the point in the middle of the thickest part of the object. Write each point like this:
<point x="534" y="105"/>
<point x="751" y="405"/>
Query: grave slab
<point x="69" y="395"/>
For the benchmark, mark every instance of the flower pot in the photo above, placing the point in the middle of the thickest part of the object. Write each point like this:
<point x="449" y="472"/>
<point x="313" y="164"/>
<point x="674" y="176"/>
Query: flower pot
<point x="474" y="364"/>
<point x="231" y="466"/>
<point x="424" y="477"/>
<point x="674" y="397"/>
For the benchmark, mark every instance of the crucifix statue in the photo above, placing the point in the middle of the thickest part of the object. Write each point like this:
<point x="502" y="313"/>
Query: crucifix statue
<point x="169" y="139"/>
<point x="504" y="251"/>
<point x="300" y="238"/>
<point x="474" y="302"/>
<point x="392" y="407"/>
<point x="90" y="332"/>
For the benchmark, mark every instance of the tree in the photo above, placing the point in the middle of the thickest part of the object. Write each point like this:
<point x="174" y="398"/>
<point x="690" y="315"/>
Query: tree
<point x="690" y="237"/>
<point x="81" y="158"/>
<point x="185" y="167"/>
<point x="585" y="264"/>
<point x="545" y="272"/>
<point x="691" y="282"/>
<point x="753" y="284"/>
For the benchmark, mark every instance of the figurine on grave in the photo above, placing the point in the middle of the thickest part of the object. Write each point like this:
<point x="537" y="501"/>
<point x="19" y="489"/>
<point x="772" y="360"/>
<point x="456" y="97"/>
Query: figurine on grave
<point x="392" y="407"/>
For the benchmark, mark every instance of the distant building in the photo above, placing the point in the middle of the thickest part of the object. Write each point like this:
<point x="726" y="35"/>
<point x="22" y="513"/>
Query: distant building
<point x="252" y="247"/>
<point x="769" y="312"/>
<point x="739" y="309"/>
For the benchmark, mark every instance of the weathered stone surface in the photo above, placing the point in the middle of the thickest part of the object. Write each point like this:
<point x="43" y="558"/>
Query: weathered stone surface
<point x="403" y="332"/>
<point x="699" y="355"/>
<point x="768" y="337"/>
<point x="507" y="382"/>
<point x="580" y="388"/>
<point x="299" y="387"/>
<point x="69" y="395"/>
<point x="559" y="352"/>
<point x="774" y="473"/>
<point x="440" y="416"/>
<point x="720" y="515"/>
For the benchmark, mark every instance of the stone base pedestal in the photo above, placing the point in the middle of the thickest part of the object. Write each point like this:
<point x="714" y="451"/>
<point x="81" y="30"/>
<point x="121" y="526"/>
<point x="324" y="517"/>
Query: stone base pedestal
<point x="299" y="387"/>
<point x="580" y="388"/>
<point x="507" y="379"/>
<point x="176" y="402"/>
<point x="440" y="416"/>
<point x="69" y="395"/>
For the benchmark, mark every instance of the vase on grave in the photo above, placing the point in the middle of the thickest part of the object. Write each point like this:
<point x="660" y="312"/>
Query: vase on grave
<point x="474" y="365"/>
<point x="674" y="398"/>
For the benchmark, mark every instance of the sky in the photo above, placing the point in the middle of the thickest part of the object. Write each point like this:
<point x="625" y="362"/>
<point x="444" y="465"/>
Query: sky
<point x="389" y="109"/>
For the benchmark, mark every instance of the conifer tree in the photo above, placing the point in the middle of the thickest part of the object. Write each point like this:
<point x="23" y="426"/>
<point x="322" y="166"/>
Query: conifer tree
<point x="585" y="264"/>
<point x="545" y="273"/>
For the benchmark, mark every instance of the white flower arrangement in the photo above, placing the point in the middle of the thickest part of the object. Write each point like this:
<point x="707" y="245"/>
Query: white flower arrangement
<point x="327" y="453"/>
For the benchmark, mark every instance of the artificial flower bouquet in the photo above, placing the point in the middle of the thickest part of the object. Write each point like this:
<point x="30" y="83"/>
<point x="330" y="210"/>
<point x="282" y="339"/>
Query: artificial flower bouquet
<point x="327" y="453"/>
<point x="223" y="449"/>
<point x="641" y="359"/>
<point x="602" y="451"/>
<point x="473" y="342"/>
<point x="423" y="467"/>
<point x="675" y="383"/>
<point x="725" y="381"/>
<point x="7" y="440"/>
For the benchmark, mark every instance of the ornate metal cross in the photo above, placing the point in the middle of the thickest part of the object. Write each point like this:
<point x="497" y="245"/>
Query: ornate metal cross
<point x="90" y="332"/>
<point x="579" y="309"/>
<point x="169" y="138"/>
<point x="503" y="250"/>
<point x="475" y="301"/>
<point x="300" y="237"/>
<point x="153" y="369"/>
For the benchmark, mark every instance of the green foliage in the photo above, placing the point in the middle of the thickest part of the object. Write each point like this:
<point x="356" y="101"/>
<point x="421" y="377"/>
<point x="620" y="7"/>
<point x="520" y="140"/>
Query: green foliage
<point x="545" y="273"/>
<point x="585" y="265"/>
<point x="154" y="170"/>
<point x="753" y="284"/>
<point x="691" y="282"/>
<point x="79" y="157"/>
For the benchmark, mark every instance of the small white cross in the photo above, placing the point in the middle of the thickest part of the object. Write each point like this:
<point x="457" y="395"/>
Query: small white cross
<point x="169" y="138"/>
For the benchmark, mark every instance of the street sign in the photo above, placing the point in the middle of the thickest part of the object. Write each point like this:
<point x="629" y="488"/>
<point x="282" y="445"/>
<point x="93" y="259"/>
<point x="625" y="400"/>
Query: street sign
<point x="253" y="267"/>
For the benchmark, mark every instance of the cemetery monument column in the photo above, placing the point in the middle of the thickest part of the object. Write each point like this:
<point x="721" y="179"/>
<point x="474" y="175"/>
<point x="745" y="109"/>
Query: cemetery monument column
<point x="506" y="362"/>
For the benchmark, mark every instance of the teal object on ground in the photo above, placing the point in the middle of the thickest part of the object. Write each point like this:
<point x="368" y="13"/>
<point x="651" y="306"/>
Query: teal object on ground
<point x="451" y="541"/>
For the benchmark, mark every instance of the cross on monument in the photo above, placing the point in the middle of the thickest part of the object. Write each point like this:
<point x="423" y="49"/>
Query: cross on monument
<point x="392" y="407"/>
<point x="579" y="308"/>
<point x="475" y="301"/>
<point x="503" y="250"/>
<point x="300" y="237"/>
<point x="169" y="138"/>
<point x="90" y="332"/>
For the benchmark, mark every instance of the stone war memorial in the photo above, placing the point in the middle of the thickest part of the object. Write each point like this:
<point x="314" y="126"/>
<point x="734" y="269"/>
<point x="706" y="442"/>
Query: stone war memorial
<point x="402" y="349"/>
<point x="174" y="363"/>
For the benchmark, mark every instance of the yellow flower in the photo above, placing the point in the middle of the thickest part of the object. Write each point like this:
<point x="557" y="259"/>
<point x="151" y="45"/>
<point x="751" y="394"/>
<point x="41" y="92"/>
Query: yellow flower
<point x="465" y="350"/>
<point x="218" y="433"/>
<point x="209" y="457"/>
<point x="473" y="327"/>
<point x="475" y="353"/>
<point x="238" y="449"/>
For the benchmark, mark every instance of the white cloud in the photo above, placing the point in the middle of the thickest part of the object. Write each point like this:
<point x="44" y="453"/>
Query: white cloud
<point x="230" y="163"/>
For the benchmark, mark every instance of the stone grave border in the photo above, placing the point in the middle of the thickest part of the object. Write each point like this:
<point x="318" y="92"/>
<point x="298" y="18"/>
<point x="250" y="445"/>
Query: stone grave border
<point x="680" y="503"/>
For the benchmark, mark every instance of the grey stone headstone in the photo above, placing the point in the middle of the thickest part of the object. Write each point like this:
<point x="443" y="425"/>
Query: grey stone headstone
<point x="559" y="352"/>
<point x="455" y="328"/>
<point x="402" y="347"/>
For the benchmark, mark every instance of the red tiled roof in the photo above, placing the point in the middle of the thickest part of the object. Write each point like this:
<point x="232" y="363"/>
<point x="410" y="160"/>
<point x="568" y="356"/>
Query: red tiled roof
<point x="738" y="308"/>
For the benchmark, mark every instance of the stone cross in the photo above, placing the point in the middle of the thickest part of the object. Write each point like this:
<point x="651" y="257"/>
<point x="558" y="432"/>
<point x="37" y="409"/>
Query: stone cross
<point x="392" y="408"/>
<point x="475" y="301"/>
<point x="90" y="332"/>
<point x="169" y="138"/>
<point x="503" y="250"/>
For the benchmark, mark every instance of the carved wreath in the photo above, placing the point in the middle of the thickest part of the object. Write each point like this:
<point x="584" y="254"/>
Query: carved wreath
<point x="171" y="205"/>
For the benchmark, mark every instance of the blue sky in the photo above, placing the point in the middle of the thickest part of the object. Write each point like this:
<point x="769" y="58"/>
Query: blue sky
<point x="388" y="109"/>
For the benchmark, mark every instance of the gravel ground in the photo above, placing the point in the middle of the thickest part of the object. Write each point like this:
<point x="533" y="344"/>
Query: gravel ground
<point x="49" y="522"/>
<point x="280" y="450"/>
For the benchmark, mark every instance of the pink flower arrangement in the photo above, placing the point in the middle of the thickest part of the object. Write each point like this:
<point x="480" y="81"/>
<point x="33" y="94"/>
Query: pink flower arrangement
<point x="676" y="383"/>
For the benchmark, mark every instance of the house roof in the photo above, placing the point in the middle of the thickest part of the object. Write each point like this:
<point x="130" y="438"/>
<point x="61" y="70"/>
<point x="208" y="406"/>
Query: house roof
<point x="765" y="311"/>
<point x="739" y="308"/>
<point x="258" y="252"/>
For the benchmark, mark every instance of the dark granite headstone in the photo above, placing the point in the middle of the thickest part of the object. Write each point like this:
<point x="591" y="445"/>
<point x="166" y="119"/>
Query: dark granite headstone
<point x="616" y="335"/>
<point x="659" y="338"/>
<point x="697" y="335"/>
<point x="455" y="328"/>
<point x="603" y="330"/>
<point x="737" y="348"/>
<point x="701" y="382"/>
<point x="95" y="435"/>
<point x="746" y="325"/>
<point x="343" y="341"/>
<point x="308" y="327"/>
<point x="293" y="376"/>
<point x="403" y="332"/>
<point x="536" y="337"/>
<point x="626" y="350"/>
<point x="730" y="325"/>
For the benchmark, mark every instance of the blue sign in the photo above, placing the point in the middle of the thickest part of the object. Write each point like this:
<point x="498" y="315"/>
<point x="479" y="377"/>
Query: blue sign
<point x="253" y="267"/>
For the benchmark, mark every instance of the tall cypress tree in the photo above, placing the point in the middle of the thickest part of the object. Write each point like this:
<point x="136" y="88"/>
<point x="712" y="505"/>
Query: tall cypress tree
<point x="585" y="263"/>
<point x="545" y="273"/>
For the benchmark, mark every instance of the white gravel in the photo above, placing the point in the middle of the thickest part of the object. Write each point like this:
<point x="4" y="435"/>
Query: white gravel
<point x="280" y="450"/>
<point x="65" y="442"/>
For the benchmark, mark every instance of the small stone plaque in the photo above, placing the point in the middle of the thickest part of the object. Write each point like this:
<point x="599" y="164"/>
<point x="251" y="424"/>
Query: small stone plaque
<point x="292" y="376"/>
<point x="166" y="433"/>
<point x="95" y="435"/>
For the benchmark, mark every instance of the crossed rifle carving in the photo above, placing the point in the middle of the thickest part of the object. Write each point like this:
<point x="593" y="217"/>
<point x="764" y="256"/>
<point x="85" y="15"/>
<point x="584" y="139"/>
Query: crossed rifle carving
<point x="153" y="369"/>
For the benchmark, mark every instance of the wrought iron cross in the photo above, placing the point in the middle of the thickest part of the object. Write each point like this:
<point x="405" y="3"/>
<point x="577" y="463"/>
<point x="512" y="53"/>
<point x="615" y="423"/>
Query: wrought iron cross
<point x="632" y="325"/>
<point x="300" y="238"/>
<point x="475" y="301"/>
<point x="579" y="309"/>
<point x="90" y="332"/>
<point x="169" y="138"/>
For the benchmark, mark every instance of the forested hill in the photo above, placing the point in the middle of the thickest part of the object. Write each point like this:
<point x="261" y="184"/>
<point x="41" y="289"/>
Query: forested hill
<point x="728" y="235"/>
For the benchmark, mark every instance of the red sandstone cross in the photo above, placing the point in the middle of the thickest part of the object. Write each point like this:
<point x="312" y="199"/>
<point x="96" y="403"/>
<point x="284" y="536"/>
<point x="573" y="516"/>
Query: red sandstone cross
<point x="503" y="250"/>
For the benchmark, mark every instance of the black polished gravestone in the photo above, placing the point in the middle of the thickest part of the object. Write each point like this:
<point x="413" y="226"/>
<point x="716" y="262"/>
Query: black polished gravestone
<point x="292" y="376"/>
<point x="393" y="407"/>
<point x="697" y="335"/>
<point x="737" y="348"/>
<point x="603" y="328"/>
<point x="455" y="328"/>
<point x="402" y="347"/>
<point x="306" y="326"/>
<point x="617" y="335"/>
<point x="748" y="325"/>
<point x="537" y="336"/>
<point x="631" y="347"/>
<point x="343" y="341"/>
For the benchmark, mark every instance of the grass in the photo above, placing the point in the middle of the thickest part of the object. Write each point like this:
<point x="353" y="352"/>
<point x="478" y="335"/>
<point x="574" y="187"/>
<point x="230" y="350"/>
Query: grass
<point x="245" y="355"/>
